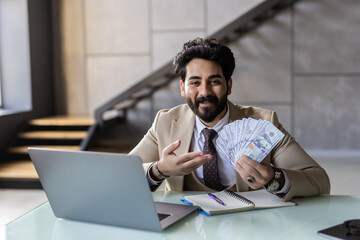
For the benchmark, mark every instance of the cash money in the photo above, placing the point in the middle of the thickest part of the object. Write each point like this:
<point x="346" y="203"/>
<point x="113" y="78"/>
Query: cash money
<point x="254" y="138"/>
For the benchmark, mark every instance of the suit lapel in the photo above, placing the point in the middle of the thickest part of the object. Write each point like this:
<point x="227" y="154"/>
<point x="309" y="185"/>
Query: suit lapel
<point x="181" y="128"/>
<point x="236" y="113"/>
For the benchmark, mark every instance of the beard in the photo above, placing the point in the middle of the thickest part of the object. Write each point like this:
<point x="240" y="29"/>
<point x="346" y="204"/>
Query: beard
<point x="208" y="114"/>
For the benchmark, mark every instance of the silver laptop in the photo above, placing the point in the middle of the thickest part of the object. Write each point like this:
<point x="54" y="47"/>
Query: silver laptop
<point x="104" y="188"/>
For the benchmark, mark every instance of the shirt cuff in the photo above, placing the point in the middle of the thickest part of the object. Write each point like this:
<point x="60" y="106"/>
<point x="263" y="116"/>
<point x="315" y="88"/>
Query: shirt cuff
<point x="285" y="189"/>
<point x="152" y="181"/>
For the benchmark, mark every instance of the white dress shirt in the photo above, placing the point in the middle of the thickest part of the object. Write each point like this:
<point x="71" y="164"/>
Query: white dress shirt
<point x="226" y="171"/>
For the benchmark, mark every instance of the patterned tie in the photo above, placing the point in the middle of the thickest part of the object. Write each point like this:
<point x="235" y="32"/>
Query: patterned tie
<point x="210" y="168"/>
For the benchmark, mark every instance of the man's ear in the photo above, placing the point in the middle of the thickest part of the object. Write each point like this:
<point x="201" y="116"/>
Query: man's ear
<point x="182" y="88"/>
<point x="229" y="86"/>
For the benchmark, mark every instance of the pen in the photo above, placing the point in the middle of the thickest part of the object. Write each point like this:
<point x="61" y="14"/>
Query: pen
<point x="216" y="198"/>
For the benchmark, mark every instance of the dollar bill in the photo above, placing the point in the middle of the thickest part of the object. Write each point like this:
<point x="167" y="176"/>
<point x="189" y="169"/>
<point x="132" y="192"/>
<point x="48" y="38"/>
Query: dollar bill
<point x="254" y="138"/>
<point x="263" y="142"/>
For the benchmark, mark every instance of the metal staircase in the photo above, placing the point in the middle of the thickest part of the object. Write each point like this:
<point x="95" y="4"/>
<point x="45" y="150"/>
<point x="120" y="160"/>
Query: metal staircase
<point x="115" y="110"/>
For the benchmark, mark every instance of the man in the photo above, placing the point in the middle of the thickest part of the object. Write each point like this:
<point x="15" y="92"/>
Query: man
<point x="177" y="149"/>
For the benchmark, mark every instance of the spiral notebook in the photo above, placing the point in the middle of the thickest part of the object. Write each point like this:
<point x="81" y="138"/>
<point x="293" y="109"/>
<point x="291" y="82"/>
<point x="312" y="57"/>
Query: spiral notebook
<point x="235" y="202"/>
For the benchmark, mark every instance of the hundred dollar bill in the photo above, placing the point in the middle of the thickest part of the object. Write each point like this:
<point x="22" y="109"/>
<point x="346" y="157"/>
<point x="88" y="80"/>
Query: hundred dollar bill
<point x="254" y="138"/>
<point x="263" y="142"/>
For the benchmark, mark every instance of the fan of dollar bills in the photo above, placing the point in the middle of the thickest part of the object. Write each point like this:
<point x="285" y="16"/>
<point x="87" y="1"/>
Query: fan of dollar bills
<point x="254" y="138"/>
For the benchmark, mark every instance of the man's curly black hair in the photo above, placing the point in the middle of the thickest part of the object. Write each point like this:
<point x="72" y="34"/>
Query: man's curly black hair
<point x="208" y="49"/>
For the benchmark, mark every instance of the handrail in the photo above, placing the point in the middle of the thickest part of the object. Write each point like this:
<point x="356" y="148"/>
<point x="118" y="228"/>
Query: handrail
<point x="225" y="35"/>
<point x="161" y="73"/>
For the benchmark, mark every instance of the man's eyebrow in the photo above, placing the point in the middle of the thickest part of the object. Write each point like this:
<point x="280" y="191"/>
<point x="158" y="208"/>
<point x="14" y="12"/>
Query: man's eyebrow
<point x="210" y="77"/>
<point x="193" y="77"/>
<point x="214" y="76"/>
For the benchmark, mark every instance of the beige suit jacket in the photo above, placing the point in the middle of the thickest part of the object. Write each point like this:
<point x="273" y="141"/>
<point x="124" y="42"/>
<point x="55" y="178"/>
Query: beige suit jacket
<point x="306" y="176"/>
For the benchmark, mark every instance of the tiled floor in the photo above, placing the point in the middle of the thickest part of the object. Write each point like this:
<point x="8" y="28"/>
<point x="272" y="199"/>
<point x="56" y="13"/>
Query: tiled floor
<point x="344" y="179"/>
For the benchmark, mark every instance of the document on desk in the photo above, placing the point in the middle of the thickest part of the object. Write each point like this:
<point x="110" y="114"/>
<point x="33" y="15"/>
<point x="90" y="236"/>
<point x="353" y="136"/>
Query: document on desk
<point x="235" y="202"/>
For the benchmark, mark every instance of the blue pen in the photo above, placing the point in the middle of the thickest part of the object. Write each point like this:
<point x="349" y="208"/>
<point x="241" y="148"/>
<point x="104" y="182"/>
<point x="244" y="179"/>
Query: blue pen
<point x="216" y="198"/>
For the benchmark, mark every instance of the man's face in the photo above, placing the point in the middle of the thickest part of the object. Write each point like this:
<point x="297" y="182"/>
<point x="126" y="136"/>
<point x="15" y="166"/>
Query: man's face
<point x="205" y="90"/>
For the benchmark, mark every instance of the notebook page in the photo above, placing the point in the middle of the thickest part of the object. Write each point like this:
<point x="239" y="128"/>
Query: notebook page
<point x="210" y="205"/>
<point x="264" y="199"/>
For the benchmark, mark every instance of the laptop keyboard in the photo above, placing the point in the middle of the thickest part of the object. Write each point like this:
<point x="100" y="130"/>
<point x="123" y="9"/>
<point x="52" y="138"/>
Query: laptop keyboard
<point x="162" y="216"/>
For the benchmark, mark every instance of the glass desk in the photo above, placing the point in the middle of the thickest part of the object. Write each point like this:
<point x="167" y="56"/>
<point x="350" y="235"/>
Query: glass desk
<point x="298" y="222"/>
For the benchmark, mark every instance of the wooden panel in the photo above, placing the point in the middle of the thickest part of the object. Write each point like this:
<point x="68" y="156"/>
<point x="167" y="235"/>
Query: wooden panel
<point x="18" y="170"/>
<point x="73" y="56"/>
<point x="53" y="135"/>
<point x="63" y="121"/>
<point x="24" y="149"/>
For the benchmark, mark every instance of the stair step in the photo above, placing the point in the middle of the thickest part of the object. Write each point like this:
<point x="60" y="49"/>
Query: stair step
<point x="18" y="170"/>
<point x="24" y="149"/>
<point x="56" y="132"/>
<point x="125" y="104"/>
<point x="160" y="83"/>
<point x="53" y="135"/>
<point x="63" y="121"/>
<point x="142" y="93"/>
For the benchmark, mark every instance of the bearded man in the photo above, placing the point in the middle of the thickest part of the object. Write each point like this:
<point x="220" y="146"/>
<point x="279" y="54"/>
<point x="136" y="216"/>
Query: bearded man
<point x="180" y="147"/>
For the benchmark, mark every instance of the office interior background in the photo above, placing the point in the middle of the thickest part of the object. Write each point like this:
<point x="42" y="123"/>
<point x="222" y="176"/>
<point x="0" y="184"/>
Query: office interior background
<point x="69" y="57"/>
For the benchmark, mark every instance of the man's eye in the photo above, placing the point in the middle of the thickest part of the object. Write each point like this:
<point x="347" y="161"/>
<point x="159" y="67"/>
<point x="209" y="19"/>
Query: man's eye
<point x="194" y="83"/>
<point x="215" y="82"/>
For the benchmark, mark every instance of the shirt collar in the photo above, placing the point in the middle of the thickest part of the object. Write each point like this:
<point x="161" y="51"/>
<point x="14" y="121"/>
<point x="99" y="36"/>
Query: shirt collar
<point x="199" y="126"/>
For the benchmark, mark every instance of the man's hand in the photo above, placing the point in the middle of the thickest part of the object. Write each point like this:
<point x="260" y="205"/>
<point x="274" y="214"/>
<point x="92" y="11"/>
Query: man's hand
<point x="172" y="165"/>
<point x="261" y="172"/>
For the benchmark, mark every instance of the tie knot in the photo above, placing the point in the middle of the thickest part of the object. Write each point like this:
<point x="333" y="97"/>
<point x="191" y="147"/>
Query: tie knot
<point x="209" y="134"/>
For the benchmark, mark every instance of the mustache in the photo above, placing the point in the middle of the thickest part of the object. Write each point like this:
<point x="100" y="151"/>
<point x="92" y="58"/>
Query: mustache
<point x="212" y="99"/>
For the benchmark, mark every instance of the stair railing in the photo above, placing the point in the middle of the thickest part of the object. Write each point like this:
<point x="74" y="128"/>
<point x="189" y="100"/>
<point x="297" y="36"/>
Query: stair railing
<point x="117" y="107"/>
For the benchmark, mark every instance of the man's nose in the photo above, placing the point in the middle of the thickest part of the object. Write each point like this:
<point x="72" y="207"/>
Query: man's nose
<point x="204" y="89"/>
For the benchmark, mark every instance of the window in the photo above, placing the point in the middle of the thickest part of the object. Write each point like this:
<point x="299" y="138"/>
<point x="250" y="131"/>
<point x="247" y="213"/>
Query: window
<point x="1" y="104"/>
<point x="0" y="86"/>
<point x="15" y="75"/>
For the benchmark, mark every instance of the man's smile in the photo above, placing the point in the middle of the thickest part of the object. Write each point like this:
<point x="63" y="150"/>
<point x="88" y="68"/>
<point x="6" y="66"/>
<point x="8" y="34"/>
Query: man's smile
<point x="206" y="104"/>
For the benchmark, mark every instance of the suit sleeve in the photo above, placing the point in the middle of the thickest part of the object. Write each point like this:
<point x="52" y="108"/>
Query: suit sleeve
<point x="306" y="176"/>
<point x="147" y="148"/>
